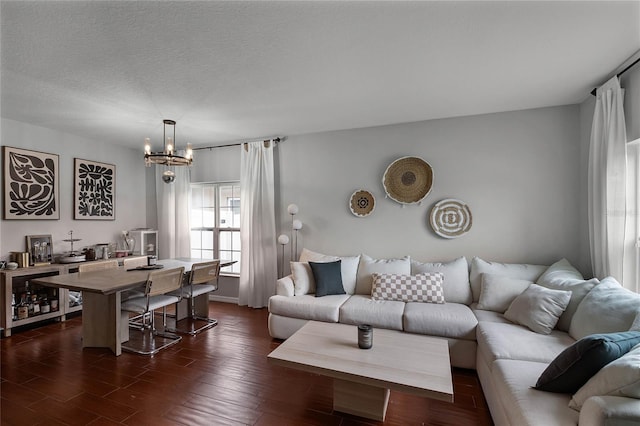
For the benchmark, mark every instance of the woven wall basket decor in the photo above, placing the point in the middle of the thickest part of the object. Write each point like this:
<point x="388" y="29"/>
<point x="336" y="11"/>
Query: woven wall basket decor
<point x="408" y="180"/>
<point x="451" y="218"/>
<point x="362" y="203"/>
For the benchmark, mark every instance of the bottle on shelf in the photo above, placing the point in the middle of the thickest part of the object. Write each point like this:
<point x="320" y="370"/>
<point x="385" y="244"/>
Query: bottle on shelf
<point x="23" y="307"/>
<point x="45" y="307"/>
<point x="54" y="300"/>
<point x="29" y="300"/>
<point x="14" y="307"/>
<point x="36" y="304"/>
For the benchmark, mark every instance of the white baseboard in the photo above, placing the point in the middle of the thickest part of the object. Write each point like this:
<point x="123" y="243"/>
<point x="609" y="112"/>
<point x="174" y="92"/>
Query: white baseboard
<point x="224" y="299"/>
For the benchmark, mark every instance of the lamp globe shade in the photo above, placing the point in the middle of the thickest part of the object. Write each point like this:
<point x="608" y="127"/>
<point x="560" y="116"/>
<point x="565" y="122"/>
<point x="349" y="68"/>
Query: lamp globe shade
<point x="297" y="225"/>
<point x="292" y="209"/>
<point x="283" y="239"/>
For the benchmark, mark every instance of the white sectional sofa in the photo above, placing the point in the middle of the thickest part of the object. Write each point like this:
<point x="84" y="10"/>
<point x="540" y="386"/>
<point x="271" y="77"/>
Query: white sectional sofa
<point x="488" y="316"/>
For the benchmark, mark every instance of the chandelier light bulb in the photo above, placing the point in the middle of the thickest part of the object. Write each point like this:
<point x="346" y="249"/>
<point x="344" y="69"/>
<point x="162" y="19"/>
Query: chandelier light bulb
<point x="283" y="239"/>
<point x="297" y="225"/>
<point x="147" y="146"/>
<point x="292" y="209"/>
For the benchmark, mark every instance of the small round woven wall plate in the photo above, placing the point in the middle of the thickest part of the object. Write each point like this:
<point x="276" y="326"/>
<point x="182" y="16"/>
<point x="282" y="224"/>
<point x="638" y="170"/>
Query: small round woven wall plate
<point x="362" y="203"/>
<point x="451" y="218"/>
<point x="408" y="180"/>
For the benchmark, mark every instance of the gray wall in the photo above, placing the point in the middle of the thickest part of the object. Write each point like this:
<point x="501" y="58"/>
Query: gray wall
<point x="519" y="172"/>
<point x="130" y="189"/>
<point x="523" y="174"/>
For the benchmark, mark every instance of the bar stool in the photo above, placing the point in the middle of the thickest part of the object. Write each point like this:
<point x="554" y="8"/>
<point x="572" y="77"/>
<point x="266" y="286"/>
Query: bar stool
<point x="159" y="284"/>
<point x="202" y="280"/>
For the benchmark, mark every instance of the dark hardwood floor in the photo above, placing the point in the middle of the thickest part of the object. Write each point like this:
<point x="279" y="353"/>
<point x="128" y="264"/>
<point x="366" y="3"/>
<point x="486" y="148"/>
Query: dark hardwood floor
<point x="219" y="377"/>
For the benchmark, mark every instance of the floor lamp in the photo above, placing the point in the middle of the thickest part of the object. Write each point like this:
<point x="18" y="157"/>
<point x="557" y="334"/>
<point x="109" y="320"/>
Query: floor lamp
<point x="283" y="240"/>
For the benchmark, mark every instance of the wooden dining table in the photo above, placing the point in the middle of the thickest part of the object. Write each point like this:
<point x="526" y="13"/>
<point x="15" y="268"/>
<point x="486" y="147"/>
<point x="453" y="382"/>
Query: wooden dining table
<point x="104" y="323"/>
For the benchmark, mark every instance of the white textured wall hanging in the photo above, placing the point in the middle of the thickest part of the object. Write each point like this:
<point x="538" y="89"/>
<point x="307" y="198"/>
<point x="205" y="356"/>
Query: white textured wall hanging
<point x="451" y="218"/>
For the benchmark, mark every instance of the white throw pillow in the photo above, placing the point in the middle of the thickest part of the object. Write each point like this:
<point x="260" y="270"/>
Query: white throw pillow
<point x="369" y="265"/>
<point x="408" y="288"/>
<point x="563" y="276"/>
<point x="497" y="292"/>
<point x="607" y="308"/>
<point x="456" y="278"/>
<point x="349" y="266"/>
<point x="620" y="377"/>
<point x="635" y="325"/>
<point x="538" y="308"/>
<point x="522" y="271"/>
<point x="303" y="281"/>
<point x="560" y="272"/>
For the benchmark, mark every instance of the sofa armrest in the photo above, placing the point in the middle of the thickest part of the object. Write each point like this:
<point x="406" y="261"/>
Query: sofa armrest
<point x="610" y="411"/>
<point x="284" y="286"/>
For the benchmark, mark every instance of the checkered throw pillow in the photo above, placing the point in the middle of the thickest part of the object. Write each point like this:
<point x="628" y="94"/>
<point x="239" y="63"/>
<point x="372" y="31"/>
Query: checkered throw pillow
<point x="425" y="287"/>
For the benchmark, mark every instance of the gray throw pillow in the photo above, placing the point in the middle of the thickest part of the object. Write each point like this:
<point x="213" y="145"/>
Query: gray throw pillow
<point x="538" y="308"/>
<point x="328" y="277"/>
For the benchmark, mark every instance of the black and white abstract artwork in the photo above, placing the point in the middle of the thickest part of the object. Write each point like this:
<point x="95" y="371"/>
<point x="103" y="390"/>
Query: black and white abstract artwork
<point x="31" y="189"/>
<point x="94" y="194"/>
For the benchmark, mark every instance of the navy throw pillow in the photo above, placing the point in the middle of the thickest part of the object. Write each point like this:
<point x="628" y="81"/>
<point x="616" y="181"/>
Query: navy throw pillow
<point x="328" y="276"/>
<point x="580" y="361"/>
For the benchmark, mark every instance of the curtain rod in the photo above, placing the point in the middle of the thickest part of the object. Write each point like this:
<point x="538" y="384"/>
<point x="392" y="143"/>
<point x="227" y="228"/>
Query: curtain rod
<point x="594" y="91"/>
<point x="276" y="140"/>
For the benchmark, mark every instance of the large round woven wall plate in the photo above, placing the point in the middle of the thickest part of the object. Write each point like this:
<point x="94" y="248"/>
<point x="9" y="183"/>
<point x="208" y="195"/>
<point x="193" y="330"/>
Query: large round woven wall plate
<point x="362" y="203"/>
<point x="450" y="218"/>
<point x="408" y="180"/>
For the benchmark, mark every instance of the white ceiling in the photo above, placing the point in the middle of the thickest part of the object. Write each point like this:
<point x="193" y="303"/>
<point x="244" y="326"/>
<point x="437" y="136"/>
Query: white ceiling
<point x="230" y="71"/>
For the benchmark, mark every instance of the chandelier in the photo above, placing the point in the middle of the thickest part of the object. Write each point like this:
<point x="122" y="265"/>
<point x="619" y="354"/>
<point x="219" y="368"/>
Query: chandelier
<point x="169" y="156"/>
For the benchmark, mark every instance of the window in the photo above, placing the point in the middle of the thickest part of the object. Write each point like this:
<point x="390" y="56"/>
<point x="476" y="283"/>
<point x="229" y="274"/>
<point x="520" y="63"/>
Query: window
<point x="215" y="222"/>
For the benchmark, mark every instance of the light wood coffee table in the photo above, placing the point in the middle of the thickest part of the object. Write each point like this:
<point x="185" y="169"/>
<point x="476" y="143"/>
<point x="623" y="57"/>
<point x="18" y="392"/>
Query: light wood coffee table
<point x="362" y="378"/>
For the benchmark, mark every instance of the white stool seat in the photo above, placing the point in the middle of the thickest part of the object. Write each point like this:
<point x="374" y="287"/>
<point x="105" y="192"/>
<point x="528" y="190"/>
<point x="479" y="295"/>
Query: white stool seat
<point x="139" y="304"/>
<point x="198" y="289"/>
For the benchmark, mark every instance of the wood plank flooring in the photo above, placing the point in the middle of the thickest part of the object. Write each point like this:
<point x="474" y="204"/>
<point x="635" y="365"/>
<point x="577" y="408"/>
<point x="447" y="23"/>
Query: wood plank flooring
<point x="219" y="377"/>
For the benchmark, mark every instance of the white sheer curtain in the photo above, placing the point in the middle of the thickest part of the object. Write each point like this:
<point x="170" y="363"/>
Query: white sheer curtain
<point x="174" y="207"/>
<point x="607" y="182"/>
<point x="258" y="271"/>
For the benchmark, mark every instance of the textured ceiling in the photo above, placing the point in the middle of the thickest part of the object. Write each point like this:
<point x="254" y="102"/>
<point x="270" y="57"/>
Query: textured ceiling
<point x="228" y="71"/>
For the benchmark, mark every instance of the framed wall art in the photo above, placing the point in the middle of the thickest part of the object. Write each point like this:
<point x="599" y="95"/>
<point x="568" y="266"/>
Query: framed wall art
<point x="94" y="190"/>
<point x="40" y="249"/>
<point x="31" y="187"/>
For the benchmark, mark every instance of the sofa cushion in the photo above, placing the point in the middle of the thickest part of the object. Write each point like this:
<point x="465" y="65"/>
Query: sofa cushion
<point x="621" y="377"/>
<point x="607" y="308"/>
<point x="349" y="266"/>
<point x="579" y="289"/>
<point x="368" y="266"/>
<point x="538" y="308"/>
<point x="308" y="307"/>
<point x="360" y="309"/>
<point x="521" y="271"/>
<point x="563" y="276"/>
<point x="453" y="320"/>
<point x="302" y="276"/>
<point x="408" y="288"/>
<point x="456" y="278"/>
<point x="510" y="341"/>
<point x="559" y="272"/>
<point x="490" y="316"/>
<point x="525" y="406"/>
<point x="579" y="362"/>
<point x="497" y="291"/>
<point x="328" y="278"/>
